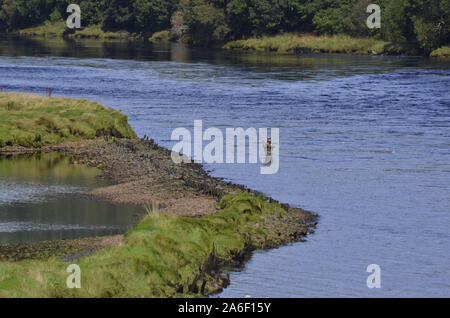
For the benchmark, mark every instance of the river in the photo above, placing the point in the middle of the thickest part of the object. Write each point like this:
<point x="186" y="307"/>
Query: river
<point x="41" y="199"/>
<point x="364" y="142"/>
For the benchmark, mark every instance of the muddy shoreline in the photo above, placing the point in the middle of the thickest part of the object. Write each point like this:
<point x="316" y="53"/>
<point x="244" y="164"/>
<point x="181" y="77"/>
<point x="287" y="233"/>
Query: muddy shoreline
<point x="143" y="173"/>
<point x="66" y="250"/>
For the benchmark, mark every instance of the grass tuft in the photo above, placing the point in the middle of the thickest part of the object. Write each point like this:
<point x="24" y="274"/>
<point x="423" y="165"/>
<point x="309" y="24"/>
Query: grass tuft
<point x="442" y="52"/>
<point x="161" y="37"/>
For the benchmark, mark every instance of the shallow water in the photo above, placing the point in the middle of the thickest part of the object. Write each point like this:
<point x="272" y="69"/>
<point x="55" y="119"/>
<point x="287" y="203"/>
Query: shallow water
<point x="41" y="199"/>
<point x="364" y="142"/>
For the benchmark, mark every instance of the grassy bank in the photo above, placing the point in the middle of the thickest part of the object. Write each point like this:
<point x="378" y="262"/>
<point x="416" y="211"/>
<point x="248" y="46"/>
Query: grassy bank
<point x="160" y="37"/>
<point x="60" y="29"/>
<point x="95" y="32"/>
<point x="442" y="52"/>
<point x="282" y="43"/>
<point x="46" y="30"/>
<point x="295" y="43"/>
<point x="65" y="249"/>
<point x="163" y="256"/>
<point x="35" y="121"/>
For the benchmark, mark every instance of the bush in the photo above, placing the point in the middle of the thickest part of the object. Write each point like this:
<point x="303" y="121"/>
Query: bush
<point x="442" y="52"/>
<point x="160" y="37"/>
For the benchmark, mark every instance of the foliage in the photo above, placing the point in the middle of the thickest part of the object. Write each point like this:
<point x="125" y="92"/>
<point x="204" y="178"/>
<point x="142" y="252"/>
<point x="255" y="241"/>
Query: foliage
<point x="206" y="23"/>
<point x="426" y="23"/>
<point x="160" y="37"/>
<point x="442" y="52"/>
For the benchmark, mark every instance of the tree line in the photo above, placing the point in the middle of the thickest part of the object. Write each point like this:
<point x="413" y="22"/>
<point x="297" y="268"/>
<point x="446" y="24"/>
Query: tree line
<point x="426" y="23"/>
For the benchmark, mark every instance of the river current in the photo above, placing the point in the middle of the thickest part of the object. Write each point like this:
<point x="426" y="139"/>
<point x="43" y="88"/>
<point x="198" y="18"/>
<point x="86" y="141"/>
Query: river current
<point x="364" y="142"/>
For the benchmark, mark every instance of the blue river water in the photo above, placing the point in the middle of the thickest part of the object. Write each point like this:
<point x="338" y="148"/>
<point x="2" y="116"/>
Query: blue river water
<point x="364" y="142"/>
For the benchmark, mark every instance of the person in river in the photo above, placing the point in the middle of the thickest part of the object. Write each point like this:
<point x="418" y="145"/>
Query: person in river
<point x="268" y="147"/>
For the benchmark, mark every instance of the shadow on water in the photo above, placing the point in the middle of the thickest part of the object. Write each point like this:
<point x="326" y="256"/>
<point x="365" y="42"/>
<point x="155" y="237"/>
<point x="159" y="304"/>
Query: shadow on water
<point x="279" y="66"/>
<point x="41" y="199"/>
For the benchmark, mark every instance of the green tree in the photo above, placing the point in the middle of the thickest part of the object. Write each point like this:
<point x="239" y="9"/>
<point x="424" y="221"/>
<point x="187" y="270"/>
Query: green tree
<point x="153" y="15"/>
<point x="355" y="22"/>
<point x="265" y="16"/>
<point x="396" y="21"/>
<point x="238" y="17"/>
<point x="206" y="23"/>
<point x="431" y="23"/>
<point x="91" y="12"/>
<point x="330" y="20"/>
<point x="119" y="15"/>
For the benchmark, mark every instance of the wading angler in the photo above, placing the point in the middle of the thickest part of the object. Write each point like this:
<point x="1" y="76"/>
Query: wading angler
<point x="261" y="148"/>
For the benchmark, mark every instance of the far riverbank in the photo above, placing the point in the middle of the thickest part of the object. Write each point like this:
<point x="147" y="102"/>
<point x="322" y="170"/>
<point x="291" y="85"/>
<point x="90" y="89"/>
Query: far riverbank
<point x="288" y="43"/>
<point x="344" y="44"/>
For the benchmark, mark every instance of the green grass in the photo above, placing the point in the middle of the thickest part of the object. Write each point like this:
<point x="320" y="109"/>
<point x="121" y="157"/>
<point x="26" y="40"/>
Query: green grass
<point x="160" y="37"/>
<point x="442" y="52"/>
<point x="35" y="121"/>
<point x="288" y="43"/>
<point x="46" y="30"/>
<point x="163" y="256"/>
<point x="96" y="32"/>
<point x="60" y="29"/>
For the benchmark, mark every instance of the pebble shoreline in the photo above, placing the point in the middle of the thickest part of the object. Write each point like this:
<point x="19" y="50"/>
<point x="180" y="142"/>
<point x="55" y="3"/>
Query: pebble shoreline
<point x="143" y="173"/>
